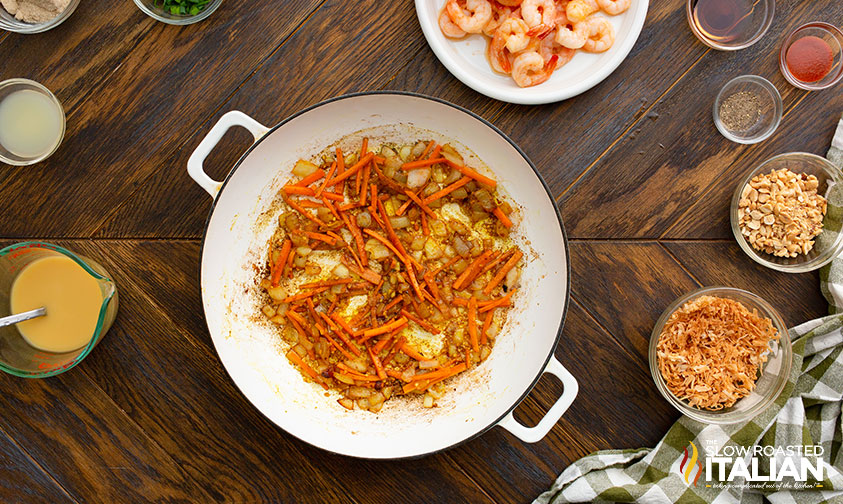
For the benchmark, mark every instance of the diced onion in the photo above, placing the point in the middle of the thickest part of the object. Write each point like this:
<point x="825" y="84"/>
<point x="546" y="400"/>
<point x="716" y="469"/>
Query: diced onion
<point x="428" y="364"/>
<point x="340" y="271"/>
<point x="364" y="219"/>
<point x="400" y="222"/>
<point x="304" y="168"/>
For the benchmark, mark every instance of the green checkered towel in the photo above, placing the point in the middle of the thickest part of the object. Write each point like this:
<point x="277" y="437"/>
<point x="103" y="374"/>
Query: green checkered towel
<point x="806" y="414"/>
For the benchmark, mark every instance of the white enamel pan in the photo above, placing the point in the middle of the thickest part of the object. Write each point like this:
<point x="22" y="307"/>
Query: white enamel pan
<point x="240" y="224"/>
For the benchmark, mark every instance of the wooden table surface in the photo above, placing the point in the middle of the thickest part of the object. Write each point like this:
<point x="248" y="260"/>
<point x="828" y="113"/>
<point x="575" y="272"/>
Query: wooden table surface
<point x="640" y="173"/>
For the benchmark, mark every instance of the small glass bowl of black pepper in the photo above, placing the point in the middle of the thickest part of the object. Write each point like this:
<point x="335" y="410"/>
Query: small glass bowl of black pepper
<point x="186" y="11"/>
<point x="748" y="109"/>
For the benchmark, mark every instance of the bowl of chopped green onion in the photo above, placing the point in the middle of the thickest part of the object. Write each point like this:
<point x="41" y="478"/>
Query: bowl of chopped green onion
<point x="178" y="12"/>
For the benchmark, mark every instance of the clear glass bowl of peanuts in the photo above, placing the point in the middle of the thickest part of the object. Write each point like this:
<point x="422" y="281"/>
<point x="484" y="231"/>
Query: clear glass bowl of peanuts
<point x="783" y="213"/>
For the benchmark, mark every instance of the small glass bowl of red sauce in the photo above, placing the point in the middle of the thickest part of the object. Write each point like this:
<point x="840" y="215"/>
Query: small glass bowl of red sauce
<point x="812" y="56"/>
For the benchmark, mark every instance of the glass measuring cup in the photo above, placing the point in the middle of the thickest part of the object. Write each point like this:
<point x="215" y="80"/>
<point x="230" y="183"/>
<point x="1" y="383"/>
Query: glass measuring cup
<point x="17" y="356"/>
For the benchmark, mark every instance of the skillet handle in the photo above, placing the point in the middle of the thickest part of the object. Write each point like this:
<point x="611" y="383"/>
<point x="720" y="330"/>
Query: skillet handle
<point x="535" y="434"/>
<point x="195" y="164"/>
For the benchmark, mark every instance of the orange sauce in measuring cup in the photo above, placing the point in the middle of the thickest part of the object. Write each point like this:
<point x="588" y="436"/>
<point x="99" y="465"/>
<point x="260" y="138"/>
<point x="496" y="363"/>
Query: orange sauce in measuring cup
<point x="73" y="299"/>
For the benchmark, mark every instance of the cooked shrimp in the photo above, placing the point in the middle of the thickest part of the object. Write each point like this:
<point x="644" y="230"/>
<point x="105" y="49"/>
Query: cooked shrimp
<point x="578" y="10"/>
<point x="530" y="69"/>
<point x="538" y="12"/>
<point x="499" y="56"/>
<point x="601" y="35"/>
<point x="514" y="32"/>
<point x="549" y="49"/>
<point x="500" y="13"/>
<point x="613" y="7"/>
<point x="510" y="3"/>
<point x="571" y="35"/>
<point x="448" y="27"/>
<point x="471" y="18"/>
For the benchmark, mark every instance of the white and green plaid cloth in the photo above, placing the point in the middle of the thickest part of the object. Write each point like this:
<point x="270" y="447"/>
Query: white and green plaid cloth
<point x="807" y="413"/>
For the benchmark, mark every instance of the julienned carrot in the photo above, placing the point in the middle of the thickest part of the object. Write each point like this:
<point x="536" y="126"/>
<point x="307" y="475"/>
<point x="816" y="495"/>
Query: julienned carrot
<point x="342" y="323"/>
<point x="431" y="284"/>
<point x="356" y="377"/>
<point x="337" y="346"/>
<point x="328" y="176"/>
<point x="306" y="203"/>
<point x="403" y="208"/>
<point x="382" y="343"/>
<point x="364" y="188"/>
<point x="447" y="190"/>
<point x="393" y="237"/>
<point x="499" y="276"/>
<point x="278" y="269"/>
<point x="351" y="171"/>
<point x="289" y="266"/>
<point x="302" y="191"/>
<point x="295" y="359"/>
<point x="422" y="163"/>
<point x="444" y="266"/>
<point x="350" y="371"/>
<point x="436" y="151"/>
<point x="396" y="347"/>
<point x="326" y="283"/>
<point x="468" y="172"/>
<point x="373" y="198"/>
<point x="339" y="334"/>
<point x="351" y="224"/>
<point x="433" y="375"/>
<point x="420" y="322"/>
<point x="330" y="206"/>
<point x="395" y="374"/>
<point x="472" y="323"/>
<point x="425" y="227"/>
<point x="392" y="303"/>
<point x="295" y="206"/>
<point x="321" y="237"/>
<point x="502" y="217"/>
<point x="420" y="203"/>
<point x="377" y="362"/>
<point x="411" y="352"/>
<point x="424" y="382"/>
<point x="487" y="322"/>
<point x="363" y="272"/>
<point x="471" y="271"/>
<point x="333" y="196"/>
<point x="495" y="261"/>
<point x="303" y="295"/>
<point x="426" y="150"/>
<point x="389" y="327"/>
<point x="377" y="236"/>
<point x="313" y="177"/>
<point x="495" y="303"/>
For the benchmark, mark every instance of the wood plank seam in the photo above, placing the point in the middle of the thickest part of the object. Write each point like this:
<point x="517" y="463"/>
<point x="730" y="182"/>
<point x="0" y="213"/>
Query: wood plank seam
<point x="635" y="120"/>
<point x="210" y="116"/>
<point x="37" y="464"/>
<point x="593" y="318"/>
<point x="713" y="184"/>
<point x="475" y="483"/>
<point x="186" y="474"/>
<point x="681" y="265"/>
<point x="202" y="349"/>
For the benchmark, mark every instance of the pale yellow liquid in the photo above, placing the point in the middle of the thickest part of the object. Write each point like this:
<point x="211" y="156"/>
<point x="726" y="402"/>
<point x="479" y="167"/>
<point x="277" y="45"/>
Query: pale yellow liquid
<point x="30" y="123"/>
<point x="72" y="297"/>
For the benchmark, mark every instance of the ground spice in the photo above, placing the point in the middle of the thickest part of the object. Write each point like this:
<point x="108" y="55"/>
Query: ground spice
<point x="35" y="11"/>
<point x="740" y="111"/>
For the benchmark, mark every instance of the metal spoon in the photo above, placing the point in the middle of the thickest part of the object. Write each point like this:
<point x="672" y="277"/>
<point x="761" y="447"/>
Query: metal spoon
<point x="20" y="317"/>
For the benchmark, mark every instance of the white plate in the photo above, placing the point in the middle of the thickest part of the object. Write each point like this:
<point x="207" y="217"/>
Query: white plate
<point x="466" y="59"/>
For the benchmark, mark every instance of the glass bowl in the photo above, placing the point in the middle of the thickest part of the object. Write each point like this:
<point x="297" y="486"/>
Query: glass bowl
<point x="10" y="86"/>
<point x="9" y="23"/>
<point x="148" y="7"/>
<point x="752" y="27"/>
<point x="833" y="37"/>
<point x="828" y="244"/>
<point x="770" y="104"/>
<point x="773" y="375"/>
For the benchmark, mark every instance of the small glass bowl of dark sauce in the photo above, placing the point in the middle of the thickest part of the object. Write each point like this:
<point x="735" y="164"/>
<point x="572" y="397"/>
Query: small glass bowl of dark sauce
<point x="729" y="25"/>
<point x="811" y="56"/>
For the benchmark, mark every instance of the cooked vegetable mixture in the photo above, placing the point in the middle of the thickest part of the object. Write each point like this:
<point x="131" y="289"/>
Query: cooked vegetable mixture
<point x="391" y="271"/>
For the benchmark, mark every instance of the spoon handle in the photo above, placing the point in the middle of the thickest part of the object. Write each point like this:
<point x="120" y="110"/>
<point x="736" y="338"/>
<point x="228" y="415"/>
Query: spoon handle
<point x="20" y="317"/>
